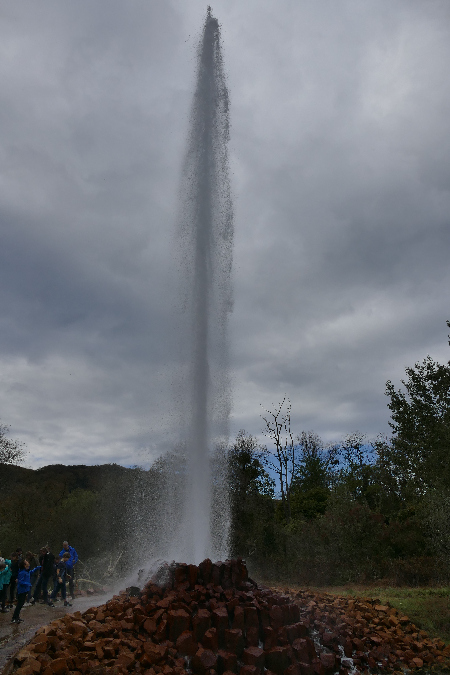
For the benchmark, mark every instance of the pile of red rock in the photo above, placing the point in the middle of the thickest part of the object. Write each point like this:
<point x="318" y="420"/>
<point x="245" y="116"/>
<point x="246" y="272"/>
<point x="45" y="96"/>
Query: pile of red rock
<point x="375" y="636"/>
<point x="212" y="619"/>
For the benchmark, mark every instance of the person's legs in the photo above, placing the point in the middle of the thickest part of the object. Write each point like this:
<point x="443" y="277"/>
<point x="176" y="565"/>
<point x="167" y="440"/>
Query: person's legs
<point x="37" y="589"/>
<point x="57" y="588"/>
<point x="21" y="597"/>
<point x="12" y="590"/>
<point x="71" y="573"/>
<point x="44" y="588"/>
<point x="34" y="580"/>
<point x="3" y="596"/>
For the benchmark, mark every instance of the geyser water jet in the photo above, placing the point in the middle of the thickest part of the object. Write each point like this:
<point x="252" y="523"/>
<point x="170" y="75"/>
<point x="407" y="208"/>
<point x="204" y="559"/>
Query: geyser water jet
<point x="206" y="229"/>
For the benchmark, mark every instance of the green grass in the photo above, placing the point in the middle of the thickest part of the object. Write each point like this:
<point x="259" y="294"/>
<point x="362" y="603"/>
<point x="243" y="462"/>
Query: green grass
<point x="428" y="608"/>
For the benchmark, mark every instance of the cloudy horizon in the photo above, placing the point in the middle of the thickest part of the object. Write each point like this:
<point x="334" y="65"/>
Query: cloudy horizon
<point x="340" y="168"/>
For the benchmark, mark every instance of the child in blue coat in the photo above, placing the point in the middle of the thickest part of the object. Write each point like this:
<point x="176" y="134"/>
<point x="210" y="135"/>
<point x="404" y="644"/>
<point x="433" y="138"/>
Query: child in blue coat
<point x="23" y="586"/>
<point x="60" y="583"/>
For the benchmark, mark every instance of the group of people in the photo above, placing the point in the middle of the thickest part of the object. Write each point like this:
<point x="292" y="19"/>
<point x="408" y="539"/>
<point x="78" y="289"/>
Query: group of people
<point x="23" y="580"/>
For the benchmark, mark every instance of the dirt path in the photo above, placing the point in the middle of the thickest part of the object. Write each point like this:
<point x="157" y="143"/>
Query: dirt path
<point x="14" y="636"/>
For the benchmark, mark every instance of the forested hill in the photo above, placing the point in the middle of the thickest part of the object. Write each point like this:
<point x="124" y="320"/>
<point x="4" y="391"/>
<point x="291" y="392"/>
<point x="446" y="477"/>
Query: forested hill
<point x="88" y="505"/>
<point x="59" y="477"/>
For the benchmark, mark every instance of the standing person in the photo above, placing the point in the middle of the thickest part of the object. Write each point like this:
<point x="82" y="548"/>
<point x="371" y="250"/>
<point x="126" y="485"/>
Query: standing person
<point x="33" y="575"/>
<point x="13" y="579"/>
<point x="70" y="565"/>
<point x="4" y="567"/>
<point x="2" y="578"/>
<point x="61" y="578"/>
<point x="46" y="561"/>
<point x="5" y="576"/>
<point x="23" y="586"/>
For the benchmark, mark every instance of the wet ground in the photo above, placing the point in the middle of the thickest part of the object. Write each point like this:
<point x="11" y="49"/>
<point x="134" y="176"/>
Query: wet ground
<point x="14" y="636"/>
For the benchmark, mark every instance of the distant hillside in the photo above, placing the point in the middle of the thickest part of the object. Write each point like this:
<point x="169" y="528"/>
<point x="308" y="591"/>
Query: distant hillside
<point x="91" y="506"/>
<point x="70" y="477"/>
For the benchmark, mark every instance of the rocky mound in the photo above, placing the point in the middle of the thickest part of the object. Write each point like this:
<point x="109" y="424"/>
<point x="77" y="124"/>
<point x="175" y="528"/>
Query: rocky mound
<point x="212" y="619"/>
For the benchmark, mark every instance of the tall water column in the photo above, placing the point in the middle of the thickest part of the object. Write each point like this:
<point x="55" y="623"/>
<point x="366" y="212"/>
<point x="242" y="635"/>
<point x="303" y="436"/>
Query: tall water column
<point x="206" y="228"/>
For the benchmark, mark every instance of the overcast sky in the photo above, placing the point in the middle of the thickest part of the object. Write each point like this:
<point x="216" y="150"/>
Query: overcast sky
<point x="340" y="162"/>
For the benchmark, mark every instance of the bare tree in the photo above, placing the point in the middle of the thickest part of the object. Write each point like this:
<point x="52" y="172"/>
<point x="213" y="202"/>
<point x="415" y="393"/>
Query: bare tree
<point x="11" y="452"/>
<point x="278" y="429"/>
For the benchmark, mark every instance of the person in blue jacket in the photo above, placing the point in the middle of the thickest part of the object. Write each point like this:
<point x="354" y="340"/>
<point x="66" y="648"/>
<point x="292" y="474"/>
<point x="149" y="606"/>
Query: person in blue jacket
<point x="61" y="578"/>
<point x="23" y="586"/>
<point x="70" y="565"/>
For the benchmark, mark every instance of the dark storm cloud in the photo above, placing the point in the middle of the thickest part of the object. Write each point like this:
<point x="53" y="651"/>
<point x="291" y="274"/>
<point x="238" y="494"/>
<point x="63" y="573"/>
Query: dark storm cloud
<point x="340" y="154"/>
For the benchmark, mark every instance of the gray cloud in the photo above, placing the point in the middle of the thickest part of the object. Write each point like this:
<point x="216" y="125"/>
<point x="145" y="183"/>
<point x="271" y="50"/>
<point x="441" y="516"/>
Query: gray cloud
<point x="341" y="173"/>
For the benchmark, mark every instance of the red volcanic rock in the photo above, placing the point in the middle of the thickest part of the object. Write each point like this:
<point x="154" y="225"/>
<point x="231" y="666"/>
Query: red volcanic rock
<point x="249" y="670"/>
<point x="178" y="621"/>
<point x="277" y="659"/>
<point x="220" y="622"/>
<point x="150" y="626"/>
<point x="209" y="620"/>
<point x="234" y="641"/>
<point x="238" y="618"/>
<point x="251" y="617"/>
<point x="301" y="650"/>
<point x="211" y="640"/>
<point x="203" y="661"/>
<point x="270" y="638"/>
<point x="294" y="669"/>
<point x="186" y="645"/>
<point x="252" y="637"/>
<point x="328" y="661"/>
<point x="253" y="656"/>
<point x="296" y="630"/>
<point x="201" y="622"/>
<point x="205" y="570"/>
<point x="306" y="668"/>
<point x="276" y="617"/>
<point x="227" y="661"/>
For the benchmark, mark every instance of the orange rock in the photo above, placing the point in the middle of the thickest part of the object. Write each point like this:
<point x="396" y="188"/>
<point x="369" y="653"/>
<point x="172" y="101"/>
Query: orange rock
<point x="30" y="667"/>
<point x="59" y="666"/>
<point x="155" y="653"/>
<point x="150" y="626"/>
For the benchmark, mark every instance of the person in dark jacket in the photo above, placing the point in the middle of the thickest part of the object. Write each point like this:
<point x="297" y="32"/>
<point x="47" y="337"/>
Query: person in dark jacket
<point x="13" y="580"/>
<point x="23" y="586"/>
<point x="46" y="560"/>
<point x="70" y="565"/>
<point x="61" y="578"/>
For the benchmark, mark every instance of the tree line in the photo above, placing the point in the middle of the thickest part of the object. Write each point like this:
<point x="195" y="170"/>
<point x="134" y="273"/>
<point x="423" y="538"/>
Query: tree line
<point x="354" y="510"/>
<point x="305" y="511"/>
